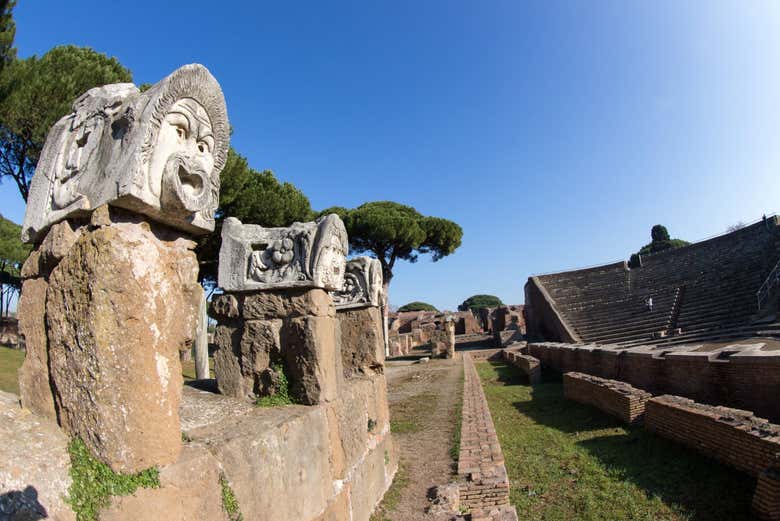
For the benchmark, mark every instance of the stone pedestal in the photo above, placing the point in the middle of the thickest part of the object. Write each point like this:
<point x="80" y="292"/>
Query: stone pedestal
<point x="260" y="331"/>
<point x="104" y="327"/>
<point x="362" y="340"/>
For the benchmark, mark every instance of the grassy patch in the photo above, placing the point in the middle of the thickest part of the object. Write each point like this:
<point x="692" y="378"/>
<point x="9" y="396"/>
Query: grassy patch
<point x="10" y="362"/>
<point x="229" y="501"/>
<point x="282" y="395"/>
<point x="392" y="496"/>
<point x="455" y="447"/>
<point x="94" y="483"/>
<point x="188" y="369"/>
<point x="567" y="461"/>
<point x="407" y="415"/>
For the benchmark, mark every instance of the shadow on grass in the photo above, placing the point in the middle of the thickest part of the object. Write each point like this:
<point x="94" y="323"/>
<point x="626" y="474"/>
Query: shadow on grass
<point x="705" y="489"/>
<point x="698" y="486"/>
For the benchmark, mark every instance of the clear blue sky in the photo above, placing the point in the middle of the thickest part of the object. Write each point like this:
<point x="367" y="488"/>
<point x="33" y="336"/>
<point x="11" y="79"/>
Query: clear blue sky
<point x="556" y="133"/>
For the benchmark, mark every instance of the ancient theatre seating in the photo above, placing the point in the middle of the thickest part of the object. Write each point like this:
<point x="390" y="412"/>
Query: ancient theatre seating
<point x="701" y="291"/>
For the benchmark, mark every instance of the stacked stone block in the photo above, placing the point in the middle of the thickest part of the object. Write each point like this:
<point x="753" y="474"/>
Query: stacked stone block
<point x="529" y="365"/>
<point x="484" y="488"/>
<point x="258" y="331"/>
<point x="616" y="398"/>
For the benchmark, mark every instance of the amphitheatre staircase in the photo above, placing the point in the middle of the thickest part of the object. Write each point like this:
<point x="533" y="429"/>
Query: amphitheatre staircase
<point x="708" y="290"/>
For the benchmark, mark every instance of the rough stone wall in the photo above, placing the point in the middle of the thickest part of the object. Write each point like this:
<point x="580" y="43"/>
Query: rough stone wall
<point x="613" y="397"/>
<point x="529" y="365"/>
<point x="335" y="363"/>
<point x="362" y="340"/>
<point x="258" y="330"/>
<point x="484" y="488"/>
<point x="743" y="376"/>
<point x="107" y="305"/>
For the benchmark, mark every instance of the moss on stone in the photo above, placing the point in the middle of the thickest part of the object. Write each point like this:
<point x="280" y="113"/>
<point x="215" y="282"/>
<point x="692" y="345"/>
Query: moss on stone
<point x="282" y="395"/>
<point x="229" y="501"/>
<point x="94" y="483"/>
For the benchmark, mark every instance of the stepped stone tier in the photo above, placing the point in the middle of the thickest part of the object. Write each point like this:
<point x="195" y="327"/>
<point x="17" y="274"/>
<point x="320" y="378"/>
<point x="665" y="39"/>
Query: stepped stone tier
<point x="701" y="291"/>
<point x="362" y="284"/>
<point x="157" y="153"/>
<point x="309" y="255"/>
<point x="110" y="294"/>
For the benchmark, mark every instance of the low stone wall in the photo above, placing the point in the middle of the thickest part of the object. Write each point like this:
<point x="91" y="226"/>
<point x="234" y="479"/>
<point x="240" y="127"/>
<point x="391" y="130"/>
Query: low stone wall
<point x="732" y="436"/>
<point x="529" y="365"/>
<point x="616" y="398"/>
<point x="484" y="488"/>
<point x="742" y="376"/>
<point x="344" y="447"/>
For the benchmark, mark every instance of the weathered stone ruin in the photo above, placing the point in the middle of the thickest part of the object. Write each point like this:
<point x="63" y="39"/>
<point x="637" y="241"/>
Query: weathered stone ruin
<point x="443" y="340"/>
<point x="358" y="306"/>
<point x="110" y="299"/>
<point x="611" y="396"/>
<point x="110" y="292"/>
<point x="287" y="315"/>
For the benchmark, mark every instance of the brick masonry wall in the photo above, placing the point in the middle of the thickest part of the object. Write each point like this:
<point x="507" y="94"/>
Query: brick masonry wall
<point x="746" y="378"/>
<point x="732" y="436"/>
<point x="616" y="398"/>
<point x="529" y="365"/>
<point x="484" y="487"/>
<point x="766" y="500"/>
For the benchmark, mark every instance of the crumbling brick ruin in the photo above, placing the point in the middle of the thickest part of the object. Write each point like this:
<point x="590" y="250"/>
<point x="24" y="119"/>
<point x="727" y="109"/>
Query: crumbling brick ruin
<point x="613" y="397"/>
<point x="530" y="366"/>
<point x="743" y="376"/>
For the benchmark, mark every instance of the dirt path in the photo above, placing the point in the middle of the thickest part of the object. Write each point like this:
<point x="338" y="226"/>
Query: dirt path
<point x="424" y="399"/>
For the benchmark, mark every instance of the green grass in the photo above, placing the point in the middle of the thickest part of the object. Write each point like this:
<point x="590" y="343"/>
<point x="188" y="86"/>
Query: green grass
<point x="407" y="415"/>
<point x="94" y="483"/>
<point x="392" y="496"/>
<point x="567" y="461"/>
<point x="188" y="369"/>
<point x="10" y="362"/>
<point x="455" y="447"/>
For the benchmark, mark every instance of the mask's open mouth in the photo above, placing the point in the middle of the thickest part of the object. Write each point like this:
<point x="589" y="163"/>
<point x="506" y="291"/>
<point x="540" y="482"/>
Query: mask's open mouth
<point x="184" y="185"/>
<point x="191" y="184"/>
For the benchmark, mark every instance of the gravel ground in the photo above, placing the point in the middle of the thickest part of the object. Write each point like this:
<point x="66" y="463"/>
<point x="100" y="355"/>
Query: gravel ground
<point x="423" y="406"/>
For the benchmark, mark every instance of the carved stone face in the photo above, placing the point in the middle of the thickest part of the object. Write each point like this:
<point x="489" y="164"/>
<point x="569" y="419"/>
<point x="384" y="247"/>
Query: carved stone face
<point x="182" y="164"/>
